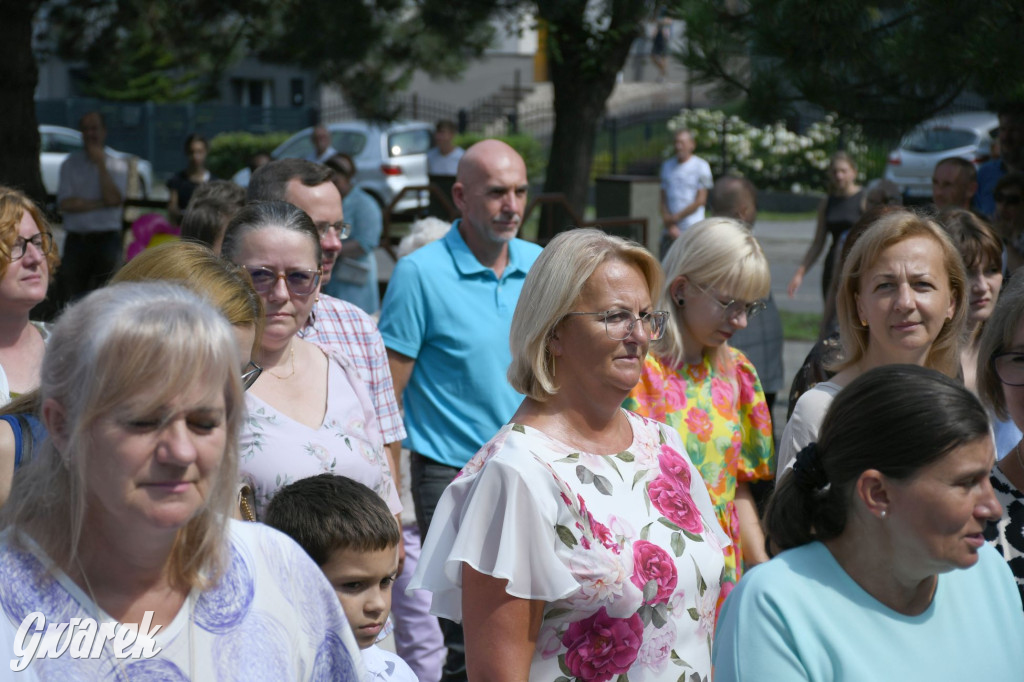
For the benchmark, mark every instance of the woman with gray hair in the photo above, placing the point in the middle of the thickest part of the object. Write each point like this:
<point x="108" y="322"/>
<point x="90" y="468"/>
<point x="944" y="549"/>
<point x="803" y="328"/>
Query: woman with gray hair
<point x="123" y="517"/>
<point x="580" y="541"/>
<point x="309" y="412"/>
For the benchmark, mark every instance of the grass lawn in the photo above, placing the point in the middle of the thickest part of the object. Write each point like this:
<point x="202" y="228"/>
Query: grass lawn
<point x="800" y="326"/>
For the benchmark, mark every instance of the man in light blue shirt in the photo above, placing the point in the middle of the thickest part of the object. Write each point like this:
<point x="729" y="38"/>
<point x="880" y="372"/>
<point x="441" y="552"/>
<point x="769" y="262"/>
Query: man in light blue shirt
<point x="685" y="183"/>
<point x="445" y="320"/>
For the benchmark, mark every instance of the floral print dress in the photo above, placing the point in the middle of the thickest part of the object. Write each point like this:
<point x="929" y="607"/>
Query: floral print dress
<point x="719" y="410"/>
<point x="275" y="450"/>
<point x="624" y="548"/>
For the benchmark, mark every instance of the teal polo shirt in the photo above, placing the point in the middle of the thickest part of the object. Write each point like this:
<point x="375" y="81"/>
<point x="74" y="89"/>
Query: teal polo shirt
<point x="452" y="315"/>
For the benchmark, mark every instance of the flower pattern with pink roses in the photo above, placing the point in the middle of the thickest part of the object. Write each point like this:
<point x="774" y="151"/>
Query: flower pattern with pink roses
<point x="630" y="588"/>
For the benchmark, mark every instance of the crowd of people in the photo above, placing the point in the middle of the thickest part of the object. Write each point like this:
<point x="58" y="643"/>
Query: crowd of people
<point x="201" y="457"/>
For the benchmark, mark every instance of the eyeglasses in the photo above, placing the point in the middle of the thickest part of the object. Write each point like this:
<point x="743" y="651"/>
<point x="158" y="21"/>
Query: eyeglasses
<point x="341" y="228"/>
<point x="1011" y="199"/>
<point x="1009" y="367"/>
<point x="733" y="308"/>
<point x="299" y="282"/>
<point x="619" y="324"/>
<point x="42" y="241"/>
<point x="250" y="374"/>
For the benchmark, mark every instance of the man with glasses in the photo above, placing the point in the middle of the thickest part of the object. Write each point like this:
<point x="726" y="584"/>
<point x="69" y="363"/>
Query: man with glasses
<point x="445" y="319"/>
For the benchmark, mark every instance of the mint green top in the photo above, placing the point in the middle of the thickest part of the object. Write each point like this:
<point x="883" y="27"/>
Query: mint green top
<point x="801" y="617"/>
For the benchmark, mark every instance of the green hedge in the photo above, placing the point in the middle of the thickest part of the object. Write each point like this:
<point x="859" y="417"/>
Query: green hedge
<point x="230" y="152"/>
<point x="530" y="149"/>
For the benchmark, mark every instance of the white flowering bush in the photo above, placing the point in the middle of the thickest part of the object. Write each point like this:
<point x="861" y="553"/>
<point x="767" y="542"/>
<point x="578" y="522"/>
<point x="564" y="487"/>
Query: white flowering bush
<point x="772" y="157"/>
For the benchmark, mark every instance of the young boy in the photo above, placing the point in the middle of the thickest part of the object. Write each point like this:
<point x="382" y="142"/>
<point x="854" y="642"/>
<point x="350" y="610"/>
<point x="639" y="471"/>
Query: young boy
<point x="347" y="530"/>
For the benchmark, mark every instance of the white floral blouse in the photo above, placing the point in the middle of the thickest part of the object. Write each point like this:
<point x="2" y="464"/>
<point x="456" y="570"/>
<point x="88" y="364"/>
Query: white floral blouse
<point x="625" y="549"/>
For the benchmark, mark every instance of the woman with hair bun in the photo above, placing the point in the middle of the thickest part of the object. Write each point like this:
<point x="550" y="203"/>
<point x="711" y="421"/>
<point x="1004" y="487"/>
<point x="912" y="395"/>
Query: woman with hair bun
<point x="884" y="572"/>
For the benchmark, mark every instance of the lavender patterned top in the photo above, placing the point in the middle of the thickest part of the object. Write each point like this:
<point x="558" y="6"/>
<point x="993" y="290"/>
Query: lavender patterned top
<point x="272" y="616"/>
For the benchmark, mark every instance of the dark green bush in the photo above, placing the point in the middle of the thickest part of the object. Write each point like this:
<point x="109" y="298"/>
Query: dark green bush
<point x="230" y="152"/>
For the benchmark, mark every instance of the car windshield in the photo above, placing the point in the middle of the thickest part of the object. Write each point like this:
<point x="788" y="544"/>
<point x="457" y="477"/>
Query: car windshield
<point x="926" y="140"/>
<point x="348" y="142"/>
<point x="409" y="142"/>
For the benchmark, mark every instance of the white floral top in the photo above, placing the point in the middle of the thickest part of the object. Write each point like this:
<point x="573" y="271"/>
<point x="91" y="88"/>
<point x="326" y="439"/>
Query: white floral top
<point x="276" y="450"/>
<point x="625" y="549"/>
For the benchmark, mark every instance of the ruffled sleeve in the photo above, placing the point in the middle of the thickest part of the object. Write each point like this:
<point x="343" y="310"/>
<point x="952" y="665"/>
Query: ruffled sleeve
<point x="501" y="521"/>
<point x="757" y="460"/>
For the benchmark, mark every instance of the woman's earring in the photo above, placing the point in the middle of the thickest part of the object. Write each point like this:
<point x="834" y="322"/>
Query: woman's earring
<point x="681" y="302"/>
<point x="882" y="515"/>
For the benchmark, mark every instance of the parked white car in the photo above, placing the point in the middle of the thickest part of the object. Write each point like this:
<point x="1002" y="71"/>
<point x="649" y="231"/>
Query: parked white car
<point x="388" y="157"/>
<point x="968" y="135"/>
<point x="56" y="142"/>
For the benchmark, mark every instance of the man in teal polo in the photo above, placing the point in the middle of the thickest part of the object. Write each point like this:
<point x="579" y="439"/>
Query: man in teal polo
<point x="445" y="321"/>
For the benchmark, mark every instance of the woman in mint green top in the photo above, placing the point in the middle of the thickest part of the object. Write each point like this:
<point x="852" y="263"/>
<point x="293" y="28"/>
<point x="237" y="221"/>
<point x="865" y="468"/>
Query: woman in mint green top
<point x="884" y="572"/>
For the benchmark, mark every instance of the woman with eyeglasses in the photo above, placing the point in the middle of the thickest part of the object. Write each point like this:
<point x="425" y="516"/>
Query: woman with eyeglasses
<point x="902" y="299"/>
<point x="1001" y="387"/>
<point x="580" y="541"/>
<point x="28" y="261"/>
<point x="309" y="412"/>
<point x="708" y="391"/>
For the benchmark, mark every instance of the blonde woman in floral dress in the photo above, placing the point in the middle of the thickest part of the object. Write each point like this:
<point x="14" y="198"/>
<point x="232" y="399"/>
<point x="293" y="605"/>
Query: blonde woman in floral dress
<point x="580" y="543"/>
<point x="694" y="382"/>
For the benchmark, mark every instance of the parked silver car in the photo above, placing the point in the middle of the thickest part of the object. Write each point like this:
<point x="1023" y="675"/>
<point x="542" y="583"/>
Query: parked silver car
<point x="968" y="135"/>
<point x="56" y="142"/>
<point x="388" y="157"/>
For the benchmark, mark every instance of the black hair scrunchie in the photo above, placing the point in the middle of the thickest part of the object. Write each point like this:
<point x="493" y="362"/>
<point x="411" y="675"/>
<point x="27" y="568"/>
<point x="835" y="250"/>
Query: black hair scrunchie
<point x="810" y="475"/>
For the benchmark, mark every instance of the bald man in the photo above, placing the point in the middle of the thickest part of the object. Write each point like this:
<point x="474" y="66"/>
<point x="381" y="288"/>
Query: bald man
<point x="445" y="320"/>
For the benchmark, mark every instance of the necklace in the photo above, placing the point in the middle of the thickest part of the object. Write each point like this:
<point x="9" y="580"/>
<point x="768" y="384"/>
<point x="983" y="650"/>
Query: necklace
<point x="290" y="374"/>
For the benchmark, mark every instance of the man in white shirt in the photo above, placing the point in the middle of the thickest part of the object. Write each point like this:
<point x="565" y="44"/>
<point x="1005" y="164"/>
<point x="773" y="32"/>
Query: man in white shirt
<point x="322" y="147"/>
<point x="91" y="197"/>
<point x="443" y="159"/>
<point x="685" y="182"/>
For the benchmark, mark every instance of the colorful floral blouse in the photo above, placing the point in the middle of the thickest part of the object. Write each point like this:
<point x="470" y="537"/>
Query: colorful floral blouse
<point x="720" y="412"/>
<point x="624" y="549"/>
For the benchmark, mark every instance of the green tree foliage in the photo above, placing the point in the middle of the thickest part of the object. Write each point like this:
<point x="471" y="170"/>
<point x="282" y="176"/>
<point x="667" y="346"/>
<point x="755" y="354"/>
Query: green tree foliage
<point x="884" y="64"/>
<point x="151" y="50"/>
<point x="371" y="49"/>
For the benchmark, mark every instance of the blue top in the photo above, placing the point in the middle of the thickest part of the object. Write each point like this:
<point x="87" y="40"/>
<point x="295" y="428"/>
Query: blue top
<point x="801" y="617"/>
<point x="451" y="314"/>
<point x="355" y="279"/>
<point x="35" y="436"/>
<point x="989" y="174"/>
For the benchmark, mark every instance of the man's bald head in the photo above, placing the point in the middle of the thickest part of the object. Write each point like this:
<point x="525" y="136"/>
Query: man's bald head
<point x="734" y="197"/>
<point x="490" y="190"/>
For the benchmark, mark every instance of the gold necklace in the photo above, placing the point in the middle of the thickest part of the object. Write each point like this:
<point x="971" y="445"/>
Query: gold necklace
<point x="290" y="374"/>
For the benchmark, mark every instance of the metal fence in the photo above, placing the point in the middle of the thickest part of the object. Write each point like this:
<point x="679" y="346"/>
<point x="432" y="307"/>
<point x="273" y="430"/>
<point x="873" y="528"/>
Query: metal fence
<point x="157" y="132"/>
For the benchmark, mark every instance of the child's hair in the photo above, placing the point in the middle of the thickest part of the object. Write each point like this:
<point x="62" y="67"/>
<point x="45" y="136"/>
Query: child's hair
<point x="327" y="513"/>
